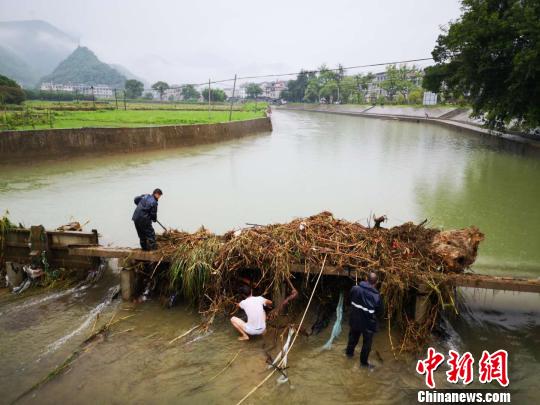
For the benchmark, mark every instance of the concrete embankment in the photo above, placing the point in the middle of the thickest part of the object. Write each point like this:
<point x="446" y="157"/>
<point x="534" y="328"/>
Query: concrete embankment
<point x="57" y="143"/>
<point x="457" y="118"/>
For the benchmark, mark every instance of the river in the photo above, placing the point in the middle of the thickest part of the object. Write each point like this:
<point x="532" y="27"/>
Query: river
<point x="352" y="166"/>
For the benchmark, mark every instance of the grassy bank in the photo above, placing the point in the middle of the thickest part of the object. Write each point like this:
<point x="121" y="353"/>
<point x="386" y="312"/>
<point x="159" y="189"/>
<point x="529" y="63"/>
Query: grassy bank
<point x="38" y="119"/>
<point x="130" y="105"/>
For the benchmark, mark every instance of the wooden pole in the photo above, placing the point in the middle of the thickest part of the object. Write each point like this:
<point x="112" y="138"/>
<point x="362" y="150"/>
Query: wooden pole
<point x="209" y="97"/>
<point x="116" y="98"/>
<point x="125" y="105"/>
<point x="232" y="98"/>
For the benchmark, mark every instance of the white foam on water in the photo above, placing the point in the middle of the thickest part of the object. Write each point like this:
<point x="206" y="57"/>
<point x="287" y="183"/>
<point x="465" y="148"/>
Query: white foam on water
<point x="45" y="299"/>
<point x="199" y="337"/>
<point x="85" y="324"/>
<point x="453" y="342"/>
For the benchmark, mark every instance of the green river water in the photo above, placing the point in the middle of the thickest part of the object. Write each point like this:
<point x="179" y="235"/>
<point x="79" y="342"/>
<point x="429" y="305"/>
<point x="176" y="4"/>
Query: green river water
<point x="311" y="162"/>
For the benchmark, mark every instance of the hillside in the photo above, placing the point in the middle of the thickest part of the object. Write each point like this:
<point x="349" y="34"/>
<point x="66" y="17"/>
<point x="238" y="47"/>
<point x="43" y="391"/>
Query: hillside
<point x="83" y="66"/>
<point x="31" y="49"/>
<point x="13" y="66"/>
<point x="128" y="74"/>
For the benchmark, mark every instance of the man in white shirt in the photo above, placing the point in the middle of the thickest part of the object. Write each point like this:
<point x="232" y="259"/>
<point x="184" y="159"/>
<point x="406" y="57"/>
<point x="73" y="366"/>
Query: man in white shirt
<point x="254" y="309"/>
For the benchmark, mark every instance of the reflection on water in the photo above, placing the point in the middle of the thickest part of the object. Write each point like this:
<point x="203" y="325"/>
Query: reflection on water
<point x="311" y="162"/>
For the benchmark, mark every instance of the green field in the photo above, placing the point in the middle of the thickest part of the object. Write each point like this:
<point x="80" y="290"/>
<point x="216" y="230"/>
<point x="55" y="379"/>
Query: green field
<point x="130" y="105"/>
<point x="39" y="119"/>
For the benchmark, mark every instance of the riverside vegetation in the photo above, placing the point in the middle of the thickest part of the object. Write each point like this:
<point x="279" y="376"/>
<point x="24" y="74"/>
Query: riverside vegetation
<point x="46" y="115"/>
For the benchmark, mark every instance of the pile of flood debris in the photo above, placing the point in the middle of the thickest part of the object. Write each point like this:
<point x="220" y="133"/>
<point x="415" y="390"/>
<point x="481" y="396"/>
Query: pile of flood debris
<point x="207" y="268"/>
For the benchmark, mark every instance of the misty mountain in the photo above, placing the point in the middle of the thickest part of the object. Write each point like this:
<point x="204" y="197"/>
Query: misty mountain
<point x="128" y="74"/>
<point x="31" y="49"/>
<point x="83" y="66"/>
<point x="17" y="69"/>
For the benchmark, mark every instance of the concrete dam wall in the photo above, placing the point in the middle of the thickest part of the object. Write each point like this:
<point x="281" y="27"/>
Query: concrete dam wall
<point x="55" y="143"/>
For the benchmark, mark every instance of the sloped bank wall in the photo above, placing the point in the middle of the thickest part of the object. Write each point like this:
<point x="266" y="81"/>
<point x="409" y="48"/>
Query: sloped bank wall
<point x="56" y="143"/>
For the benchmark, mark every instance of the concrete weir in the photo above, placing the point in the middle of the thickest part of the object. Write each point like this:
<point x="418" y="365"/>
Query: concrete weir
<point x="57" y="143"/>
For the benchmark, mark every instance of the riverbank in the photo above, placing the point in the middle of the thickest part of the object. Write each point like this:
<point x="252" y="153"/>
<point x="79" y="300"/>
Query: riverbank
<point x="456" y="118"/>
<point x="59" y="143"/>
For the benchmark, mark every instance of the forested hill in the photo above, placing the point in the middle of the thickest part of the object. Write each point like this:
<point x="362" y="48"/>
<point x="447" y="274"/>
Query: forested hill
<point x="83" y="67"/>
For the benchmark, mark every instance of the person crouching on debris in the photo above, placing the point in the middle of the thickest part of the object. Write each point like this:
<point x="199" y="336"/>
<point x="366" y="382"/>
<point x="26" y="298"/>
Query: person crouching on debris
<point x="254" y="309"/>
<point x="366" y="305"/>
<point x="144" y="215"/>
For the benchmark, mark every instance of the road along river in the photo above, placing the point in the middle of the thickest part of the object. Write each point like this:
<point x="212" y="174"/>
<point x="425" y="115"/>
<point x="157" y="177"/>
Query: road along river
<point x="311" y="162"/>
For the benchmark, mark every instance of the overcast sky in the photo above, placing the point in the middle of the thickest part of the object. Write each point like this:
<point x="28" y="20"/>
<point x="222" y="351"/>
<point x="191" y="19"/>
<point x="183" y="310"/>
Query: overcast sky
<point x="180" y="41"/>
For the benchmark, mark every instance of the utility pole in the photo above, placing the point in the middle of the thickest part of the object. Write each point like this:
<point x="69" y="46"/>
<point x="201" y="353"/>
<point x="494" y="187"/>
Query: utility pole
<point x="232" y="98"/>
<point x="125" y="105"/>
<point x="357" y="90"/>
<point x="209" y="97"/>
<point x="116" y="98"/>
<point x="93" y="97"/>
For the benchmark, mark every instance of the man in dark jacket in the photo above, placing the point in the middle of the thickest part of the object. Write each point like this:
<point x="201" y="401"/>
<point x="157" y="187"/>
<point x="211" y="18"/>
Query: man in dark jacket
<point x="144" y="215"/>
<point x="366" y="305"/>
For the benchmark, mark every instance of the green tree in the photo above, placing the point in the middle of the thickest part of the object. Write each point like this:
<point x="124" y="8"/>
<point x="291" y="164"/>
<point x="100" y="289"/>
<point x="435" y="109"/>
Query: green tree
<point x="10" y="91"/>
<point x="312" y="90"/>
<point x="160" y="87"/>
<point x="363" y="82"/>
<point x="296" y="88"/>
<point x="134" y="88"/>
<point x="348" y="89"/>
<point x="253" y="90"/>
<point x="148" y="95"/>
<point x="329" y="90"/>
<point x="491" y="55"/>
<point x="217" y="95"/>
<point x="189" y="92"/>
<point x="416" y="96"/>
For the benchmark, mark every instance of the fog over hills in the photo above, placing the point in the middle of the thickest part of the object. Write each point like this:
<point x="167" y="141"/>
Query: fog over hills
<point x="32" y="48"/>
<point x="30" y="51"/>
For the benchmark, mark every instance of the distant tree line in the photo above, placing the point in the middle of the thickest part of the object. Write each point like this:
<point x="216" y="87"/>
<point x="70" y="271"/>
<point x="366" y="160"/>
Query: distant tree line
<point x="333" y="85"/>
<point x="36" y="94"/>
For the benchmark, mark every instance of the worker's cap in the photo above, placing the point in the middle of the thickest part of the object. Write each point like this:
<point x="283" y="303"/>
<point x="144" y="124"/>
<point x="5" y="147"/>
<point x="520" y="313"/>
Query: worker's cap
<point x="158" y="191"/>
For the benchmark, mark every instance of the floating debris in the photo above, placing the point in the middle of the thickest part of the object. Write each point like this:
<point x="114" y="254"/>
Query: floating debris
<point x="206" y="268"/>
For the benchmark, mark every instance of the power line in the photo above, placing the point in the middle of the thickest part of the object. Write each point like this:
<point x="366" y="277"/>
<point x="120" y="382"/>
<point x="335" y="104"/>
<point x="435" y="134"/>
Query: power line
<point x="302" y="71"/>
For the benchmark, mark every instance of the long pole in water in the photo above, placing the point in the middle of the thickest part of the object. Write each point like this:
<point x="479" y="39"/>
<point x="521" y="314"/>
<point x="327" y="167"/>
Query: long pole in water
<point x="232" y="98"/>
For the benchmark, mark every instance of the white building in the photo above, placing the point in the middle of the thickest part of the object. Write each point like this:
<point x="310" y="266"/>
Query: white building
<point x="99" y="90"/>
<point x="273" y="90"/>
<point x="239" y="91"/>
<point x="172" y="94"/>
<point x="430" y="98"/>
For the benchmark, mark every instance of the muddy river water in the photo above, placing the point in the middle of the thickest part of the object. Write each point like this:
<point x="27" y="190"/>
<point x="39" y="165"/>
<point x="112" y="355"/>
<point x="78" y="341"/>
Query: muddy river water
<point x="311" y="162"/>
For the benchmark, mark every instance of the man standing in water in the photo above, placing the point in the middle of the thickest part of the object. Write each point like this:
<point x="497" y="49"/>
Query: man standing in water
<point x="366" y="305"/>
<point x="254" y="309"/>
<point x="144" y="215"/>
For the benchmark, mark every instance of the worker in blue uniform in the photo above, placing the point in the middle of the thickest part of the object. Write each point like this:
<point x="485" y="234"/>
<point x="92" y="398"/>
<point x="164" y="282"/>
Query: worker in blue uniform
<point x="144" y="215"/>
<point x="366" y="305"/>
